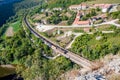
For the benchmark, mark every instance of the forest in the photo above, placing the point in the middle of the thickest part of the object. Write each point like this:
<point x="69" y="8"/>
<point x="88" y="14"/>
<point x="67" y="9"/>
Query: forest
<point x="28" y="57"/>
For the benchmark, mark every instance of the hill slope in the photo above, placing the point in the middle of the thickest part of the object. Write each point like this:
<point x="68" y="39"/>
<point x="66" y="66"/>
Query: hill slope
<point x="63" y="3"/>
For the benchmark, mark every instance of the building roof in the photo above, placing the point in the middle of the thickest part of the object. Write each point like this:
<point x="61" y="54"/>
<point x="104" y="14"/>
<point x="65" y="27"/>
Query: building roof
<point x="103" y="5"/>
<point x="107" y="5"/>
<point x="83" y="4"/>
<point x="77" y="22"/>
<point x="78" y="14"/>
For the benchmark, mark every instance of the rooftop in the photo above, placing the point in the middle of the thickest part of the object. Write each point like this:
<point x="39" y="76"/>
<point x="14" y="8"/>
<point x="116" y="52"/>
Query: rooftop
<point x="102" y="5"/>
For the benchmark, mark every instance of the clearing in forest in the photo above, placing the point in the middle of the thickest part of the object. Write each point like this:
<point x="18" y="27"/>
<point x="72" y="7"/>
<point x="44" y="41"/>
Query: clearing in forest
<point x="9" y="32"/>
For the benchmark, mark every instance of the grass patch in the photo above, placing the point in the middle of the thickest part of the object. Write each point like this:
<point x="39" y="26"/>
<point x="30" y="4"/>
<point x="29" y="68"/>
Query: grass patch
<point x="106" y="28"/>
<point x="15" y="62"/>
<point x="110" y="39"/>
<point x="103" y="1"/>
<point x="114" y="40"/>
<point x="16" y="26"/>
<point x="78" y="30"/>
<point x="3" y="36"/>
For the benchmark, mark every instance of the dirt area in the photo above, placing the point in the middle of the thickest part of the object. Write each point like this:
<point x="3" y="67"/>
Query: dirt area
<point x="38" y="16"/>
<point x="9" y="32"/>
<point x="68" y="14"/>
<point x="63" y="23"/>
<point x="118" y="22"/>
<point x="6" y="70"/>
<point x="118" y="7"/>
<point x="65" y="41"/>
<point x="70" y="75"/>
<point x="114" y="77"/>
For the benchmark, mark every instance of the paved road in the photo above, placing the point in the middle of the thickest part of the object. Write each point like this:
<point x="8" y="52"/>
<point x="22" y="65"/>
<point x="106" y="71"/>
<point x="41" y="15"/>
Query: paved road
<point x="43" y="28"/>
<point x="113" y="22"/>
<point x="73" y="57"/>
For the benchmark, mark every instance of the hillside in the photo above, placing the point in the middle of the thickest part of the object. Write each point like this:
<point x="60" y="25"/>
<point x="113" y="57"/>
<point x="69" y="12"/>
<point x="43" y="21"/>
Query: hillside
<point x="27" y="4"/>
<point x="35" y="60"/>
<point x="63" y="3"/>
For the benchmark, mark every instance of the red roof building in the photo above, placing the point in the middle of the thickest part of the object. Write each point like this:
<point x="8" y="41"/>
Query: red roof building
<point x="78" y="22"/>
<point x="102" y="5"/>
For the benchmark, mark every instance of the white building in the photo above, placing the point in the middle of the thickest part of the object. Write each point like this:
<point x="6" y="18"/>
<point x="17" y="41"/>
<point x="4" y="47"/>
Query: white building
<point x="58" y="9"/>
<point x="78" y="7"/>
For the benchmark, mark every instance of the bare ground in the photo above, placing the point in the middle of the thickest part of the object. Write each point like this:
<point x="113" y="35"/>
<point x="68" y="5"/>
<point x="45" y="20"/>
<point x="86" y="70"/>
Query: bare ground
<point x="9" y="32"/>
<point x="6" y="70"/>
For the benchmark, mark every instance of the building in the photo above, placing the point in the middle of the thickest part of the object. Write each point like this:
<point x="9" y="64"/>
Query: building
<point x="99" y="17"/>
<point x="57" y="9"/>
<point x="78" y="7"/>
<point x="80" y="23"/>
<point x="104" y="7"/>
